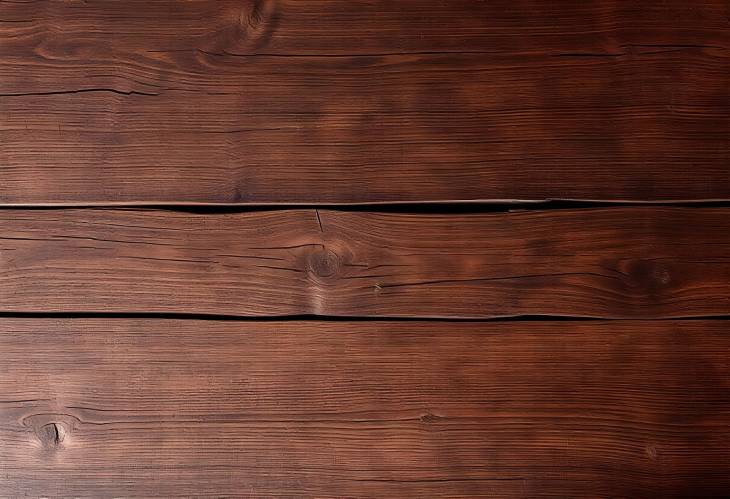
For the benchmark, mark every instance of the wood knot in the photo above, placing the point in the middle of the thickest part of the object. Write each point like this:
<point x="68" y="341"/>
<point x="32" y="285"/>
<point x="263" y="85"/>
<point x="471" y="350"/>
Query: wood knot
<point x="324" y="263"/>
<point x="661" y="275"/>
<point x="260" y="11"/>
<point x="650" y="275"/>
<point x="50" y="435"/>
<point x="50" y="430"/>
<point x="429" y="418"/>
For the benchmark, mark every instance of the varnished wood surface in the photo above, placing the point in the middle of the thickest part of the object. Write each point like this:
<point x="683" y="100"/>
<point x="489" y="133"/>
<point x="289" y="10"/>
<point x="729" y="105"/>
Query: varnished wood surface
<point x="142" y="408"/>
<point x="362" y="102"/>
<point x="615" y="263"/>
<point x="113" y="385"/>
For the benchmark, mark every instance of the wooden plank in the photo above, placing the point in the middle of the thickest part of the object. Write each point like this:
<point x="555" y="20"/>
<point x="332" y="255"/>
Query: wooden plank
<point x="363" y="27"/>
<point x="364" y="409"/>
<point x="362" y="102"/>
<point x="615" y="263"/>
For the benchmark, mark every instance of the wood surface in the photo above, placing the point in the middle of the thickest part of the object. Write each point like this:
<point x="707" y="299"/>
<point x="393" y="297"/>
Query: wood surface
<point x="288" y="344"/>
<point x="221" y="101"/>
<point x="99" y="408"/>
<point x="647" y="262"/>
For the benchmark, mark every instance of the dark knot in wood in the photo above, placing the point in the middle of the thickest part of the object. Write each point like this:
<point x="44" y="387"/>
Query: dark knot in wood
<point x="650" y="275"/>
<point x="50" y="435"/>
<point x="324" y="263"/>
<point x="661" y="275"/>
<point x="429" y="418"/>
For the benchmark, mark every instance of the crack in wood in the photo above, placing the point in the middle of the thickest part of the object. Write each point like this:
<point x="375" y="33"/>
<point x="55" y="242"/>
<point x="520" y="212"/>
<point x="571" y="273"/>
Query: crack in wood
<point x="78" y="91"/>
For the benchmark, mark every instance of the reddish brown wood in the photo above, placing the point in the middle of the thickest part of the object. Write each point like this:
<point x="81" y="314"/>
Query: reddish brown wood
<point x="164" y="408"/>
<point x="366" y="101"/>
<point x="211" y="101"/>
<point x="619" y="263"/>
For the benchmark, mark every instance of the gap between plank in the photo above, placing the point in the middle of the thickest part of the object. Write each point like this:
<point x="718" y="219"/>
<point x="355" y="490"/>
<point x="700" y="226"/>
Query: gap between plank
<point x="332" y="318"/>
<point x="430" y="207"/>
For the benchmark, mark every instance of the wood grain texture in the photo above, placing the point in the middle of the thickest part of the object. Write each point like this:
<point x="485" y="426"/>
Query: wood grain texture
<point x="614" y="263"/>
<point x="99" y="408"/>
<point x="362" y="102"/>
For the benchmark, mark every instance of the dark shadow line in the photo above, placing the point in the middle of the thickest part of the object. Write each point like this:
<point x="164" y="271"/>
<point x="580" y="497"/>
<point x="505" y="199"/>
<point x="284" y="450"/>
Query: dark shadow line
<point x="446" y="207"/>
<point x="332" y="318"/>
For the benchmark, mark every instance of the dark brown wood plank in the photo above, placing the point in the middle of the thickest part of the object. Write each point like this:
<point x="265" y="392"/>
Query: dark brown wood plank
<point x="143" y="408"/>
<point x="362" y="102"/>
<point x="363" y="27"/>
<point x="615" y="263"/>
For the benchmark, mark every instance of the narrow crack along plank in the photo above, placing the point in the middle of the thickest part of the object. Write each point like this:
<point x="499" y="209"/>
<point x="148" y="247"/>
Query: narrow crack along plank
<point x="649" y="262"/>
<point x="148" y="408"/>
<point x="353" y="102"/>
